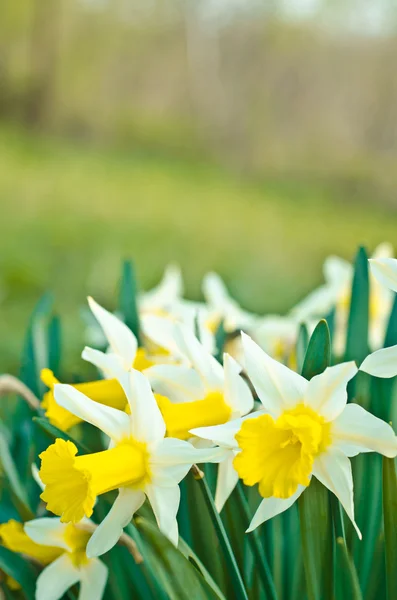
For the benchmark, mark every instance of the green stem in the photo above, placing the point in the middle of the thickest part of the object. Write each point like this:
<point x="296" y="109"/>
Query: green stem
<point x="257" y="547"/>
<point x="230" y="559"/>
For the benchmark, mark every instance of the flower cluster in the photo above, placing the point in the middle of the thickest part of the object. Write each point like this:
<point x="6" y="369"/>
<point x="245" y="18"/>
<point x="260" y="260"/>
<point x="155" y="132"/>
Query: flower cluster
<point x="201" y="383"/>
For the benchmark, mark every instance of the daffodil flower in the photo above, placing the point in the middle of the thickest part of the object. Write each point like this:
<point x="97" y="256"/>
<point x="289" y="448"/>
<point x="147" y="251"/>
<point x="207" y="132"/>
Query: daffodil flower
<point x="139" y="463"/>
<point x="203" y="395"/>
<point x="220" y="303"/>
<point x="308" y="429"/>
<point x="61" y="549"/>
<point x="224" y="437"/>
<point x="122" y="343"/>
<point x="336" y="293"/>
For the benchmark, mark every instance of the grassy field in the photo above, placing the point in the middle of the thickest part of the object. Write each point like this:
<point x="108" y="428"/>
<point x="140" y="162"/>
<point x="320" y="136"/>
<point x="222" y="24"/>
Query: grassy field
<point x="70" y="214"/>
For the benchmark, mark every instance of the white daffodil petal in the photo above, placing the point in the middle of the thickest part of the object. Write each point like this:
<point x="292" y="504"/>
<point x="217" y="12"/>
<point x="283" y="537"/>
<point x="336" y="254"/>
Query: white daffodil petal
<point x="57" y="578"/>
<point x="237" y="392"/>
<point x="165" y="503"/>
<point x="147" y="423"/>
<point x="110" y="364"/>
<point x="121" y="339"/>
<point x="179" y="383"/>
<point x="113" y="422"/>
<point x="278" y="387"/>
<point x="356" y="430"/>
<point x="270" y="507"/>
<point x="171" y="460"/>
<point x="385" y="271"/>
<point x="333" y="469"/>
<point x="326" y="393"/>
<point x="107" y="534"/>
<point x="382" y="363"/>
<point x="226" y="481"/>
<point x="47" y="531"/>
<point x="224" y="435"/>
<point x="206" y="365"/>
<point x="93" y="580"/>
<point x="166" y="293"/>
<point x="215" y="291"/>
<point x="337" y="271"/>
<point x="161" y="331"/>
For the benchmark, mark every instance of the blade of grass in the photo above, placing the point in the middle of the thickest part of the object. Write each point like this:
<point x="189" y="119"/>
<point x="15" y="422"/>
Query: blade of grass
<point x="346" y="584"/>
<point x="256" y="546"/>
<point x="234" y="572"/>
<point x="390" y="523"/>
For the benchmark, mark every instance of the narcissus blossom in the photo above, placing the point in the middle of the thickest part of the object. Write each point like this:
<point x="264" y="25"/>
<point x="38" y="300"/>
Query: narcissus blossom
<point x="202" y="393"/>
<point x="336" y="293"/>
<point x="61" y="549"/>
<point x="307" y="429"/>
<point x="139" y="463"/>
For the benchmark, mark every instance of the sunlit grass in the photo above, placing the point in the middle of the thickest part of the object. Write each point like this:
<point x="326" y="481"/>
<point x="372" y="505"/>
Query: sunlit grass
<point x="70" y="213"/>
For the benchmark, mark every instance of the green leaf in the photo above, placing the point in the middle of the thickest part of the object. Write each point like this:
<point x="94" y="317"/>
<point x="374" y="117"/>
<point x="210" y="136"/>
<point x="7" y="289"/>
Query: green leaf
<point x="390" y="523"/>
<point x="261" y="563"/>
<point x="230" y="559"/>
<point x="128" y="299"/>
<point x="54" y="433"/>
<point x="318" y="354"/>
<point x="357" y="329"/>
<point x="220" y="340"/>
<point x="316" y="534"/>
<point x="346" y="584"/>
<point x="18" y="493"/>
<point x="301" y="345"/>
<point x="54" y="344"/>
<point x="180" y="579"/>
<point x="19" y="569"/>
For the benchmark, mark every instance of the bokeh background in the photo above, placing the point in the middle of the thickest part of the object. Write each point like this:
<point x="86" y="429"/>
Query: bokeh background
<point x="251" y="137"/>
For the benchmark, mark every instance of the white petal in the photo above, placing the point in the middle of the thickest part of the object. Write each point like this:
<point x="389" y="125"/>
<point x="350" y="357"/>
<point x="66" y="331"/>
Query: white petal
<point x="147" y="423"/>
<point x="356" y="430"/>
<point x="333" y="469"/>
<point x="226" y="481"/>
<point x="121" y="339"/>
<point x="237" y="392"/>
<point x="165" y="293"/>
<point x="165" y="503"/>
<point x="56" y="579"/>
<point x="161" y="331"/>
<point x="326" y="393"/>
<point x="215" y="291"/>
<point x="107" y="534"/>
<point x="224" y="435"/>
<point x="207" y="366"/>
<point x="47" y="531"/>
<point x="110" y="364"/>
<point x="385" y="271"/>
<point x="337" y="271"/>
<point x="270" y="507"/>
<point x="278" y="387"/>
<point x="179" y="383"/>
<point x="382" y="363"/>
<point x="383" y="250"/>
<point x="113" y="422"/>
<point x="94" y="576"/>
<point x="172" y="459"/>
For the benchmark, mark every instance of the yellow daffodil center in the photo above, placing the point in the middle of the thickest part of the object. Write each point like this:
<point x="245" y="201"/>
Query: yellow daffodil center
<point x="77" y="540"/>
<point x="103" y="391"/>
<point x="73" y="482"/>
<point x="279" y="454"/>
<point x="142" y="360"/>
<point x="14" y="538"/>
<point x="180" y="418"/>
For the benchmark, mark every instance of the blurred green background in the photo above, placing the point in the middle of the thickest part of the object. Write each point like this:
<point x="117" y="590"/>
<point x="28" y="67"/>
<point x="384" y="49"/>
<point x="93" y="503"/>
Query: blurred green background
<point x="248" y="137"/>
